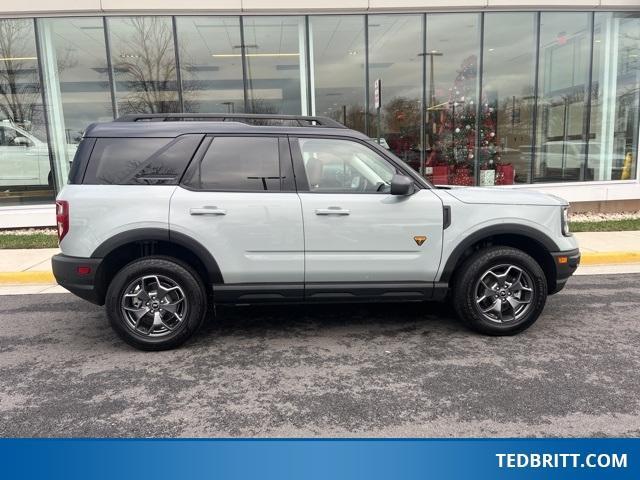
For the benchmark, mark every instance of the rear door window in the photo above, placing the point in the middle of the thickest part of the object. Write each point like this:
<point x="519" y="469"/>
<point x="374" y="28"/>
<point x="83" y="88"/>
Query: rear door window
<point x="248" y="164"/>
<point x="140" y="161"/>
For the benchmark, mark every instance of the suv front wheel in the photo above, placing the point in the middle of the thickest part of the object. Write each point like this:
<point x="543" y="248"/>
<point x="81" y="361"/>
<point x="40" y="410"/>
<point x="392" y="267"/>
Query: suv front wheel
<point x="156" y="303"/>
<point x="499" y="291"/>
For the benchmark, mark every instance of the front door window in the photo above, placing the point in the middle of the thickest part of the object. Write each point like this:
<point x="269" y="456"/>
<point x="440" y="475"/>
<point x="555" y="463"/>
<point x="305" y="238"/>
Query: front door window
<point x="343" y="166"/>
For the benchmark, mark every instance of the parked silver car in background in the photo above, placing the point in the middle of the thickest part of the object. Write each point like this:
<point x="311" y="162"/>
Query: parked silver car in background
<point x="24" y="159"/>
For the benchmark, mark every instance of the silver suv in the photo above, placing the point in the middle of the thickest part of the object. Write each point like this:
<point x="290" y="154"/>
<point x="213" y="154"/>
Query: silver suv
<point x="24" y="159"/>
<point x="163" y="217"/>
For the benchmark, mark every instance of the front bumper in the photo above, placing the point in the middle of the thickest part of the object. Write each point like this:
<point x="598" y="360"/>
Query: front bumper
<point x="566" y="264"/>
<point x="80" y="276"/>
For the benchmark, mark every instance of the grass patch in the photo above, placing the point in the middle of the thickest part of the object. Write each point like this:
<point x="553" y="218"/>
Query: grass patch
<point x="606" y="226"/>
<point x="34" y="240"/>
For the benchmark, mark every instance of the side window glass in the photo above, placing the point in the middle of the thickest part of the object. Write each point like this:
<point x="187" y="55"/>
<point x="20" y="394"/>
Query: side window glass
<point x="140" y="161"/>
<point x="238" y="164"/>
<point x="116" y="160"/>
<point x="167" y="165"/>
<point x="12" y="138"/>
<point x="334" y="165"/>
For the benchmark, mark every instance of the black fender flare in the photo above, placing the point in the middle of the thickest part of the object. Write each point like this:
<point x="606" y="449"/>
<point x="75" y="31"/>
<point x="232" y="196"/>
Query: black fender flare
<point x="531" y="233"/>
<point x="161" y="234"/>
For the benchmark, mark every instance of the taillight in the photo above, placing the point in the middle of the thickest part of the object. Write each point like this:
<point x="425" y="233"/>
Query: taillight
<point x="62" y="218"/>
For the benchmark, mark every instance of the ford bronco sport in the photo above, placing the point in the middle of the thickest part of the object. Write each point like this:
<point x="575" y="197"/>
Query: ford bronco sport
<point x="164" y="217"/>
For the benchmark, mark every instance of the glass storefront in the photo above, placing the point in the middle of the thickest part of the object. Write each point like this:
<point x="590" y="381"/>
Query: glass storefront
<point x="615" y="97"/>
<point x="507" y="108"/>
<point x="76" y="81"/>
<point x="395" y="58"/>
<point x="274" y="52"/>
<point x="25" y="171"/>
<point x="453" y="63"/>
<point x="494" y="98"/>
<point x="144" y="65"/>
<point x="563" y="87"/>
<point x="337" y="50"/>
<point x="210" y="64"/>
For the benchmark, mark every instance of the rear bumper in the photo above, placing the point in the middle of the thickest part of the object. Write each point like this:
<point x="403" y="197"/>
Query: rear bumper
<point x="566" y="264"/>
<point x="71" y="273"/>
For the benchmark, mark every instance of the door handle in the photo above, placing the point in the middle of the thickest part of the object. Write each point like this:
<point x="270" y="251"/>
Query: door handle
<point x="207" y="211"/>
<point x="332" y="211"/>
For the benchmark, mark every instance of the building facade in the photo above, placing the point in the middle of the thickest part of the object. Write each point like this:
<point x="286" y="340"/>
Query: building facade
<point x="543" y="96"/>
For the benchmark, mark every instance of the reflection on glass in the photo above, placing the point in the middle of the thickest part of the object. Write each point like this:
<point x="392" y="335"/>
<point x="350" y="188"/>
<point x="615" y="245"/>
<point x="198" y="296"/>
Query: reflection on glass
<point x="338" y="77"/>
<point x="274" y="48"/>
<point x="335" y="166"/>
<point x="143" y="59"/>
<point x="211" y="64"/>
<point x="506" y="111"/>
<point x="81" y="61"/>
<point x="452" y="92"/>
<point x="615" y="100"/>
<point x="563" y="79"/>
<point x="25" y="171"/>
<point x="77" y="90"/>
<point x="242" y="164"/>
<point x="395" y="48"/>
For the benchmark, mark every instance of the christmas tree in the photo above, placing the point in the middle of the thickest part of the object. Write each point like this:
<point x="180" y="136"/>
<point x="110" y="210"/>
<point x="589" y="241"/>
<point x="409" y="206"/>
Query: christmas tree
<point x="453" y="129"/>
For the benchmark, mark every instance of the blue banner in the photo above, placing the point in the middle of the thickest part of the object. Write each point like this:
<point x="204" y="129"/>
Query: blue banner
<point x="118" y="459"/>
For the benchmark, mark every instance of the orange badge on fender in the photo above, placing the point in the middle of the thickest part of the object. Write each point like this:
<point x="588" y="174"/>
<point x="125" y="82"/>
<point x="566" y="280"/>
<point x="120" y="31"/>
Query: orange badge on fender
<point x="420" y="239"/>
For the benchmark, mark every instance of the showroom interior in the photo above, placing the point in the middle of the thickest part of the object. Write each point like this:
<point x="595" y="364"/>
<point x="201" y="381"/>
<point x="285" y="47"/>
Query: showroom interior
<point x="520" y="99"/>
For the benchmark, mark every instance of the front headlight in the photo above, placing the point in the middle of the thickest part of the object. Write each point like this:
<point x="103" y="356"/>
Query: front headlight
<point x="565" y="222"/>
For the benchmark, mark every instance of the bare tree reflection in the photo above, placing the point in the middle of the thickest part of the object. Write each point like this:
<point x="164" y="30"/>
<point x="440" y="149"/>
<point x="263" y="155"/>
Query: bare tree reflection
<point x="352" y="116"/>
<point x="147" y="63"/>
<point x="19" y="84"/>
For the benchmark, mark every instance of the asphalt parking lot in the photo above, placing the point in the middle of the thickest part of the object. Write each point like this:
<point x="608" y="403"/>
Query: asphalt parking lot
<point x="370" y="370"/>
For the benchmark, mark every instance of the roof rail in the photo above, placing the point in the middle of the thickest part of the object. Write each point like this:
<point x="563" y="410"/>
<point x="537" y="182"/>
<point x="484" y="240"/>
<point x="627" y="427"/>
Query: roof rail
<point x="258" y="118"/>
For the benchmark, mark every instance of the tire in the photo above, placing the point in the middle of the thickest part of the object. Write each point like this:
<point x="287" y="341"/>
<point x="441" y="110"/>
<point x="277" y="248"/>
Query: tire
<point x="152" y="318"/>
<point x="490" y="276"/>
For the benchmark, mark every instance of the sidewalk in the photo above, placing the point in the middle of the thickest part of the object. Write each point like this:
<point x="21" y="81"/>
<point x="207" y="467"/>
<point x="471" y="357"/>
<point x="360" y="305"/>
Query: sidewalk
<point x="30" y="270"/>
<point x="619" y="252"/>
<point x="599" y="248"/>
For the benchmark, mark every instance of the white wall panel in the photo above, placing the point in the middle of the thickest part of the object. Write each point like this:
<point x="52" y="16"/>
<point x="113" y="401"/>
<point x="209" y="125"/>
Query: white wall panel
<point x="425" y="4"/>
<point x="304" y="5"/>
<point x="589" y="192"/>
<point x="8" y="7"/>
<point x="171" y="5"/>
<point x="536" y="4"/>
<point x="12" y="8"/>
<point x="633" y="4"/>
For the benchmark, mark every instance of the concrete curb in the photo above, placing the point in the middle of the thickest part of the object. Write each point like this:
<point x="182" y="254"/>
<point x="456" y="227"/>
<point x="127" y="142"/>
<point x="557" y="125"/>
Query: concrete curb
<point x="588" y="258"/>
<point x="26" y="278"/>
<point x="609" y="258"/>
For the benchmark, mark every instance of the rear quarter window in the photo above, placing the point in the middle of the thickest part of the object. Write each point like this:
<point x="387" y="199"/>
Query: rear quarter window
<point x="140" y="161"/>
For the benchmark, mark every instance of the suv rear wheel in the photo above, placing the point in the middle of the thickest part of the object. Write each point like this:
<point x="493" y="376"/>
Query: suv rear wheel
<point x="156" y="303"/>
<point x="499" y="291"/>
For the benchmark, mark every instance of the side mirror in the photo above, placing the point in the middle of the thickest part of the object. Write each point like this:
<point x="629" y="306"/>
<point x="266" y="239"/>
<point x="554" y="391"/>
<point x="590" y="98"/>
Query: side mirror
<point x="401" y="185"/>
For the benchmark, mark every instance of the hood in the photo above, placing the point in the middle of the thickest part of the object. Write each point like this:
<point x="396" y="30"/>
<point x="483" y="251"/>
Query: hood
<point x="505" y="196"/>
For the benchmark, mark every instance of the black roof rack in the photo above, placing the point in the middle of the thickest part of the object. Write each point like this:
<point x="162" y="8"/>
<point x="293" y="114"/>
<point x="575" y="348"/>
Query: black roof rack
<point x="250" y="118"/>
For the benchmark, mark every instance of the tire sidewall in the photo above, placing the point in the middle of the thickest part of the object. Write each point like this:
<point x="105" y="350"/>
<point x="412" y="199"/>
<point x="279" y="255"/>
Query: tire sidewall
<point x="465" y="290"/>
<point x="177" y="271"/>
